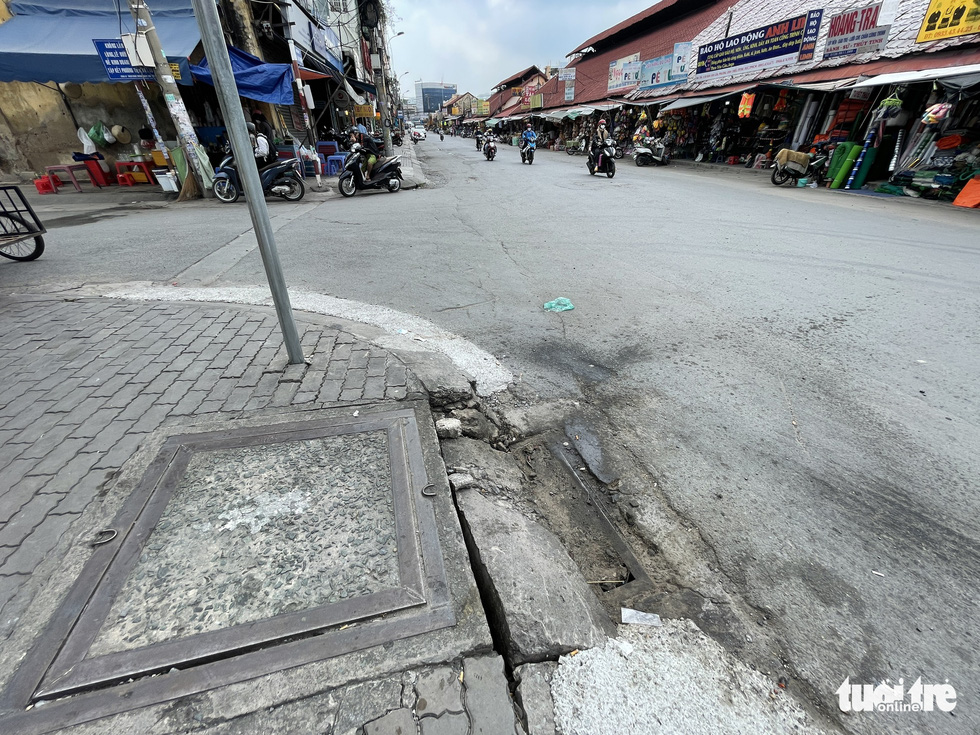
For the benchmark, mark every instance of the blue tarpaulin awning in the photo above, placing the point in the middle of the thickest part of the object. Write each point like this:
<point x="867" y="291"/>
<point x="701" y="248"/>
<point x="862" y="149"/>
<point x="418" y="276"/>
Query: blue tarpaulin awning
<point x="255" y="79"/>
<point x="53" y="41"/>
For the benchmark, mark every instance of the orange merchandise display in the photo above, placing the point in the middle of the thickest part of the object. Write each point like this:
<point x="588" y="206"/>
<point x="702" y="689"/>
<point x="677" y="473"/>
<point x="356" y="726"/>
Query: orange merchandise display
<point x="970" y="196"/>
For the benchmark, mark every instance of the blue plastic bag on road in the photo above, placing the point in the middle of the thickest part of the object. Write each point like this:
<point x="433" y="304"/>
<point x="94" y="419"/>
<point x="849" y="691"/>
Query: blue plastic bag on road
<point x="559" y="304"/>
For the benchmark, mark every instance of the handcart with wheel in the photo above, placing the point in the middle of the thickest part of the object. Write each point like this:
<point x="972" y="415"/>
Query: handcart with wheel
<point x="20" y="229"/>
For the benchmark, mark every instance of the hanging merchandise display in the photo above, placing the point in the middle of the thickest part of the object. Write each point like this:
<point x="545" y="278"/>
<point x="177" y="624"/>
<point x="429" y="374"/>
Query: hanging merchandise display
<point x="942" y="154"/>
<point x="745" y="105"/>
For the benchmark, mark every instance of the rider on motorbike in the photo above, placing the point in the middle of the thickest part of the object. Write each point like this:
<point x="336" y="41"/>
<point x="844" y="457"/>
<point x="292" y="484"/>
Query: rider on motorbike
<point x="370" y="149"/>
<point x="479" y="140"/>
<point x="528" y="136"/>
<point x="598" y="141"/>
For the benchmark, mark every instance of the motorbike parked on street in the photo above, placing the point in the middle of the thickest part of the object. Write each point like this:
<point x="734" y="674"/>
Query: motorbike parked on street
<point x="281" y="179"/>
<point x="396" y="138"/>
<point x="785" y="169"/>
<point x="603" y="161"/>
<point x="490" y="146"/>
<point x="387" y="173"/>
<point x="527" y="151"/>
<point x="652" y="151"/>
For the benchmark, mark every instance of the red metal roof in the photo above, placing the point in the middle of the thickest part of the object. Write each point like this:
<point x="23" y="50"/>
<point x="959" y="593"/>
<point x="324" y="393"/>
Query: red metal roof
<point x="629" y="22"/>
<point x="592" y="71"/>
<point x="520" y="76"/>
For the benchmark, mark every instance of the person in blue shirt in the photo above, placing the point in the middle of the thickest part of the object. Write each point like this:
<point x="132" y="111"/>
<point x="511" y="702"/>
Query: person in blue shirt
<point x="529" y="135"/>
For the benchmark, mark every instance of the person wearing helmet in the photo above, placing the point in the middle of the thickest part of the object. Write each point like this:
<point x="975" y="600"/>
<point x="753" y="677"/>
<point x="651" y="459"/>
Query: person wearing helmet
<point x="598" y="141"/>
<point x="529" y="135"/>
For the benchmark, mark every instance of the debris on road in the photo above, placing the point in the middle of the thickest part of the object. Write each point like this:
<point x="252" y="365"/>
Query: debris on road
<point x="559" y="304"/>
<point x="636" y="617"/>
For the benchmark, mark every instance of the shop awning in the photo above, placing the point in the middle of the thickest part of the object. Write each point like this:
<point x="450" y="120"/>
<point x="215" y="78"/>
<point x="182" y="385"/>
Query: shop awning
<point x="255" y="79"/>
<point x="363" y="86"/>
<point x="694" y="101"/>
<point x="923" y="75"/>
<point x="52" y="41"/>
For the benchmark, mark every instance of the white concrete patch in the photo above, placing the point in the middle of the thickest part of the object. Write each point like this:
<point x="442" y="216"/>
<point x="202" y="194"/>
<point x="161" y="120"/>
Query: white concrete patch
<point x="672" y="679"/>
<point x="406" y="331"/>
<point x="258" y="512"/>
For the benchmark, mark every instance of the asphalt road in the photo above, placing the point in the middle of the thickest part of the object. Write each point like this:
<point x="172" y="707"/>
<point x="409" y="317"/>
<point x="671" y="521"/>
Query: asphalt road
<point x="796" y="367"/>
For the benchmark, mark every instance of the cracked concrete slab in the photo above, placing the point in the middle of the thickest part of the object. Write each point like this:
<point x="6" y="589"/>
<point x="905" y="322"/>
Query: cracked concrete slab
<point x="534" y="692"/>
<point x="488" y="701"/>
<point x="439" y="691"/>
<point x="539" y="594"/>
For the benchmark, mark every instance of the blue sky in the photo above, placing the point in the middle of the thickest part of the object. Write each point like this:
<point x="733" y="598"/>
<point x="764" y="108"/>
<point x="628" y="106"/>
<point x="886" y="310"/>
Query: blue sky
<point x="477" y="43"/>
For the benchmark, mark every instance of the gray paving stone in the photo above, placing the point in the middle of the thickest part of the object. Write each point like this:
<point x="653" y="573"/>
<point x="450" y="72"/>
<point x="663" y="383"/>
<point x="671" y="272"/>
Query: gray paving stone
<point x="33" y="550"/>
<point x="487" y="697"/>
<point x="374" y="388"/>
<point x="377" y="366"/>
<point x="352" y="394"/>
<point x="58" y="457"/>
<point x="27" y="519"/>
<point x="396" y="722"/>
<point x="9" y="584"/>
<point x="106" y="439"/>
<point x="439" y="690"/>
<point x="330" y="391"/>
<point x="448" y="724"/>
<point x="534" y="691"/>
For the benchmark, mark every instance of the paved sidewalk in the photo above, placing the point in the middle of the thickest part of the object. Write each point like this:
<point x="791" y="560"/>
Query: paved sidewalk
<point x="87" y="381"/>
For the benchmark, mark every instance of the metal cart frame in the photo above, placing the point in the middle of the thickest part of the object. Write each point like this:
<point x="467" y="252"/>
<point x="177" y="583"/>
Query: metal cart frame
<point x="18" y="226"/>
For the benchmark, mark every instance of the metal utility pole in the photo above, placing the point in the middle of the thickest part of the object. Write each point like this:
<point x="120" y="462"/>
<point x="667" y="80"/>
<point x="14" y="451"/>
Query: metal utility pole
<point x="301" y="90"/>
<point x="164" y="76"/>
<point x="379" y="80"/>
<point x="224" y="85"/>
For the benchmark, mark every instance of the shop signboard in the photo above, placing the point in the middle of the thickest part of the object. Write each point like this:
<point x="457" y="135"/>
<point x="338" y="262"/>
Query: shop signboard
<point x="516" y="91"/>
<point x="566" y="74"/>
<point x="949" y="18"/>
<point x="484" y="107"/>
<point x="808" y="46"/>
<point x="682" y="58"/>
<point x="112" y="51"/>
<point x="776" y="44"/>
<point x="657" y="72"/>
<point x="623" y="73"/>
<point x="526" y="95"/>
<point x="855" y="32"/>
<point x="570" y="90"/>
<point x="363" y="111"/>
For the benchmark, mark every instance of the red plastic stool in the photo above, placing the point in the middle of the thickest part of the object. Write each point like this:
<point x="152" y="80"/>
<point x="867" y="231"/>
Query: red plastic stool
<point x="126" y="180"/>
<point x="45" y="185"/>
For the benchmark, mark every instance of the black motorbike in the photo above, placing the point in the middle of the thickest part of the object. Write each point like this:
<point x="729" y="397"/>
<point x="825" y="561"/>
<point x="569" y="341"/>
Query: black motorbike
<point x="280" y="178"/>
<point x="603" y="160"/>
<point x="396" y="139"/>
<point x="387" y="174"/>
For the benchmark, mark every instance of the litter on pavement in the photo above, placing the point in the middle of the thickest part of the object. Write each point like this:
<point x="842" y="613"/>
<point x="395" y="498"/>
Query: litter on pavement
<point x="559" y="304"/>
<point x="635" y="617"/>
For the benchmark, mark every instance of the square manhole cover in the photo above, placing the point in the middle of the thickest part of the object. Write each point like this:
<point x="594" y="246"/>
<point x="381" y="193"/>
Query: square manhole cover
<point x="248" y="551"/>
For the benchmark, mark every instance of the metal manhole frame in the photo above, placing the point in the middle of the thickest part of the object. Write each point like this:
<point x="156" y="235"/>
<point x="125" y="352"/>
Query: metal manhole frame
<point x="57" y="667"/>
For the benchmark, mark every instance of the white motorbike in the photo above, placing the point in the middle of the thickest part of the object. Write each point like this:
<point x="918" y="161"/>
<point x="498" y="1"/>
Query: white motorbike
<point x="652" y="151"/>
